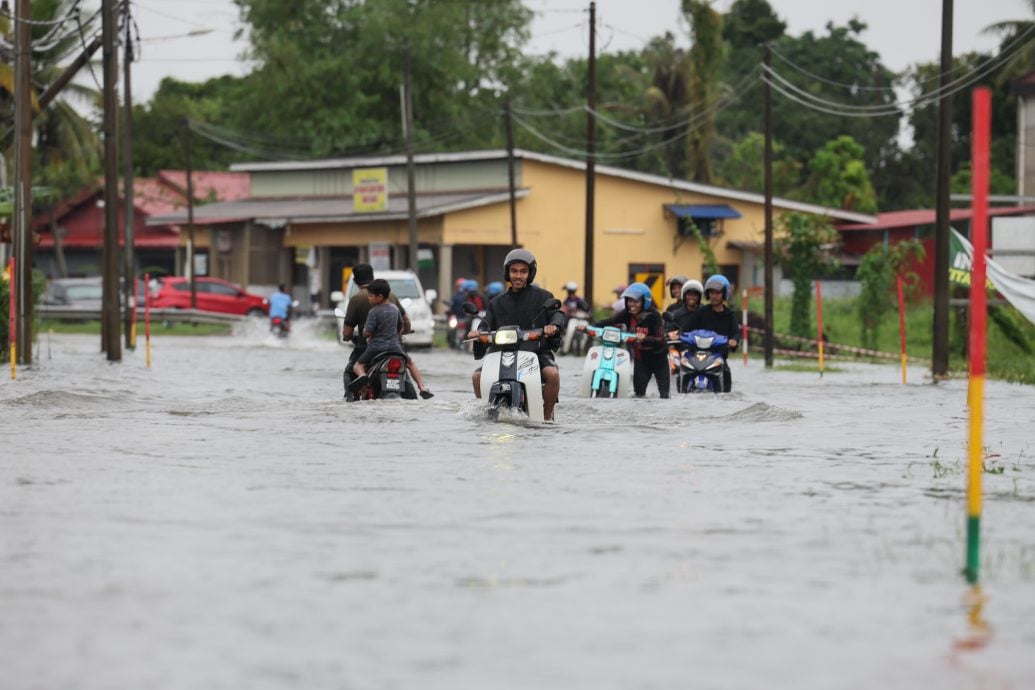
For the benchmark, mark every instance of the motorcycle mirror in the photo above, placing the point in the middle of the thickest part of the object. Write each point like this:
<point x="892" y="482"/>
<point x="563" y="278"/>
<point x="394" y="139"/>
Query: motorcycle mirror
<point x="430" y="295"/>
<point x="339" y="312"/>
<point x="470" y="308"/>
<point x="552" y="304"/>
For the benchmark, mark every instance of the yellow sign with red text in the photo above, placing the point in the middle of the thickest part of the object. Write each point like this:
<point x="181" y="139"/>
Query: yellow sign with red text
<point x="369" y="189"/>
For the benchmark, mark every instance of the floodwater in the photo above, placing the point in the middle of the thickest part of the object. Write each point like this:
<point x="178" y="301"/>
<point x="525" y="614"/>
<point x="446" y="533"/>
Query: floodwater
<point x="226" y="521"/>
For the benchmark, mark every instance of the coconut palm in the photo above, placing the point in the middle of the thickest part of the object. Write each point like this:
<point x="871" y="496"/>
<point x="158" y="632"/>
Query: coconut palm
<point x="1023" y="61"/>
<point x="67" y="150"/>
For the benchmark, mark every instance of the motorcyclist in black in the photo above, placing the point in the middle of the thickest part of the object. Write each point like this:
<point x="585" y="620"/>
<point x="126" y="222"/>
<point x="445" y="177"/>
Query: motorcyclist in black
<point x="521" y="305"/>
<point x="692" y="294"/>
<point x="650" y="352"/>
<point x="674" y="285"/>
<point x="717" y="316"/>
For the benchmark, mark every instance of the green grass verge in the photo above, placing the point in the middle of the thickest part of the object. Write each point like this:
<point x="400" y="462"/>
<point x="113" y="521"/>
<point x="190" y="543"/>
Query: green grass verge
<point x="157" y="328"/>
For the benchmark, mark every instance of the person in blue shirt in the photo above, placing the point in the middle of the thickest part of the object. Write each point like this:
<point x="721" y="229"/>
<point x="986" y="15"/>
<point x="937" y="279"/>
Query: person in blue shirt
<point x="280" y="306"/>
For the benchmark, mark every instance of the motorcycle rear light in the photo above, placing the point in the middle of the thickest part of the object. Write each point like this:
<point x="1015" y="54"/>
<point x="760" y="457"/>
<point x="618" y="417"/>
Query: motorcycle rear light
<point x="394" y="365"/>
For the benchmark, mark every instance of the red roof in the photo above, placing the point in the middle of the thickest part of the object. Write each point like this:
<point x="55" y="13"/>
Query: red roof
<point x="926" y="216"/>
<point x="210" y="186"/>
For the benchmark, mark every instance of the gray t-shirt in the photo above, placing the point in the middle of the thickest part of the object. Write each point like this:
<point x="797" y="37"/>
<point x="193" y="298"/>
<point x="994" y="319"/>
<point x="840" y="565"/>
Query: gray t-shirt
<point x="383" y="323"/>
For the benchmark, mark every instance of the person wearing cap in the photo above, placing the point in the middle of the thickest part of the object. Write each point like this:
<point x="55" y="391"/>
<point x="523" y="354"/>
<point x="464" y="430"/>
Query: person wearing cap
<point x="573" y="302"/>
<point x="521" y="305"/>
<point x="675" y="288"/>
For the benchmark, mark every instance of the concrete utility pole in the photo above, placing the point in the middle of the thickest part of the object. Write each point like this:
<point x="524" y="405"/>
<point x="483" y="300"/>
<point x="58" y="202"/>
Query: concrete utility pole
<point x="509" y="126"/>
<point x="21" y="228"/>
<point x="767" y="109"/>
<point x="940" y="336"/>
<point x="591" y="147"/>
<point x="110" y="303"/>
<point x="411" y="184"/>
<point x="128" y="271"/>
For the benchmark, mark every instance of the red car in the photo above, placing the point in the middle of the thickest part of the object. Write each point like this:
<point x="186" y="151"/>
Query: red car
<point x="214" y="294"/>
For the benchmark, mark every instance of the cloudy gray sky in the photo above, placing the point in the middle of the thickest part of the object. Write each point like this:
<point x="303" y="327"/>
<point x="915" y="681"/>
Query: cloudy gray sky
<point x="903" y="32"/>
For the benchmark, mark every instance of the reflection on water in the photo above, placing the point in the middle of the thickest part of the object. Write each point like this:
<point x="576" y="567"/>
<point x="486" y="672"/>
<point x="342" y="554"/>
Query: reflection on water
<point x="225" y="520"/>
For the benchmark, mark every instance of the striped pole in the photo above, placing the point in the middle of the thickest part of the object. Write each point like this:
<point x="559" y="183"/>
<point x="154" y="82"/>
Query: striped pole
<point x="902" y="326"/>
<point x="819" y="323"/>
<point x="12" y="315"/>
<point x="133" y="314"/>
<point x="147" y="318"/>
<point x="982" y="104"/>
<point x="744" y="324"/>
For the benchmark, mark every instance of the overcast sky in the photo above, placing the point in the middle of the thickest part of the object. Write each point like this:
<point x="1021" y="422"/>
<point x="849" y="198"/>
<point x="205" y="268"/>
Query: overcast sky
<point x="903" y="32"/>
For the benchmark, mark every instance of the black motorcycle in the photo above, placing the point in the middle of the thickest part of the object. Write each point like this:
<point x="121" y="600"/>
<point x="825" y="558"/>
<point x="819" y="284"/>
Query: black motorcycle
<point x="389" y="379"/>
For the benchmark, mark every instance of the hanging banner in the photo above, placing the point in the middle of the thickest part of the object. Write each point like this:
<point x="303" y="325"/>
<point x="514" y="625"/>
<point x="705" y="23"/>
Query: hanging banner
<point x="369" y="189"/>
<point x="1018" y="291"/>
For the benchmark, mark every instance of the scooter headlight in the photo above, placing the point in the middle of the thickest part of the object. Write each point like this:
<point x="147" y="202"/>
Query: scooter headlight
<point x="610" y="336"/>
<point x="505" y="338"/>
<point x="703" y="342"/>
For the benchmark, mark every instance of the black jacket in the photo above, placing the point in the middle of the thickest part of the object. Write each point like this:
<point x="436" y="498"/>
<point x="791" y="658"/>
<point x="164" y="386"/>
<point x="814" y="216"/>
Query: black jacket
<point x="722" y="322"/>
<point x="683" y="318"/>
<point x="524" y="309"/>
<point x="655" y="341"/>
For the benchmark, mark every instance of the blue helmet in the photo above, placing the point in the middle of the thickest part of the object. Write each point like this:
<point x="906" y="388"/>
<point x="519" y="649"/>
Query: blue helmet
<point x="470" y="285"/>
<point x="494" y="288"/>
<point x="718" y="282"/>
<point x="641" y="292"/>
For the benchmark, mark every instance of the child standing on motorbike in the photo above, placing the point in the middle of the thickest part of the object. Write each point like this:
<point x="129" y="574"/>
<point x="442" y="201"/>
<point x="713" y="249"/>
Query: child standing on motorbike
<point x="382" y="330"/>
<point x="650" y="351"/>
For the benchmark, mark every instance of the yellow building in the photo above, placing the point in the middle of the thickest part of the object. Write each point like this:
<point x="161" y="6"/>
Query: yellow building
<point x="302" y="218"/>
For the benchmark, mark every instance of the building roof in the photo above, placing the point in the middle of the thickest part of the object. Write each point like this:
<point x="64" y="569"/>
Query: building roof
<point x="926" y="216"/>
<point x="209" y="186"/>
<point x="278" y="212"/>
<point x="493" y="154"/>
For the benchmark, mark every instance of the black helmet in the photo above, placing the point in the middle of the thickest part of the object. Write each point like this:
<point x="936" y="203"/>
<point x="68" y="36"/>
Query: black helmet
<point x="519" y="256"/>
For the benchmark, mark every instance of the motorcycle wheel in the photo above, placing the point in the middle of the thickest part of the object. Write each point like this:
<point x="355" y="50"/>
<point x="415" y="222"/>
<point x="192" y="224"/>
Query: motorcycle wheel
<point x="494" y="410"/>
<point x="602" y="391"/>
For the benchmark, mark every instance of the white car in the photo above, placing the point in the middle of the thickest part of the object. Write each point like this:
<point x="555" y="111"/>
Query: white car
<point x="417" y="303"/>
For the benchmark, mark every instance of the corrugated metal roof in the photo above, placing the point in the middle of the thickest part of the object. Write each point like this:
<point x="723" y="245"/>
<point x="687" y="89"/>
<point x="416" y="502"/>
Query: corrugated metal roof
<point x="491" y="154"/>
<point x="327" y="209"/>
<point x="926" y="216"/>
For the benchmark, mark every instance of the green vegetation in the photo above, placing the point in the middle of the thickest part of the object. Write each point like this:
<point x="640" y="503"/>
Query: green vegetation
<point x="1006" y="359"/>
<point x="158" y="328"/>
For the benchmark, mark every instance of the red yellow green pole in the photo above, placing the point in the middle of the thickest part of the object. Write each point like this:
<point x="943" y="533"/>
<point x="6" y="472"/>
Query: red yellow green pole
<point x="902" y="326"/>
<point x="819" y="323"/>
<point x="982" y="105"/>
<point x="11" y="316"/>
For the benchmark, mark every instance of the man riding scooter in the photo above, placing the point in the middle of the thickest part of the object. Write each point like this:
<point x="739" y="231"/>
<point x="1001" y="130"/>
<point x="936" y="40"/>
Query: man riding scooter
<point x="522" y="306"/>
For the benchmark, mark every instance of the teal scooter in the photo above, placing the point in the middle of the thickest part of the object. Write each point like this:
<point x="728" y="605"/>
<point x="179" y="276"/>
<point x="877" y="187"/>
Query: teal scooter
<point x="607" y="371"/>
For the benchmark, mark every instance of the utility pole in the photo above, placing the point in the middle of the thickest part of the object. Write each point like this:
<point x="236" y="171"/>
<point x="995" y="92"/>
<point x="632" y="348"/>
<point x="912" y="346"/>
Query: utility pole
<point x="509" y="126"/>
<point x="591" y="131"/>
<point x="767" y="109"/>
<point x="21" y="229"/>
<point x="411" y="185"/>
<point x="188" y="145"/>
<point x="128" y="271"/>
<point x="110" y="257"/>
<point x="940" y="336"/>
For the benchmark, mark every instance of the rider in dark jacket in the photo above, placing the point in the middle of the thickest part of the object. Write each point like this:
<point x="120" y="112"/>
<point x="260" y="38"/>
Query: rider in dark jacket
<point x="716" y="316"/>
<point x="650" y="351"/>
<point x="522" y="306"/>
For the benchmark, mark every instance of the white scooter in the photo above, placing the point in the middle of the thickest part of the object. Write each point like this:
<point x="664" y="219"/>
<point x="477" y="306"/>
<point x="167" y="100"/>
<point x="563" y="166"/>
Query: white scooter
<point x="575" y="342"/>
<point x="607" y="372"/>
<point x="510" y="376"/>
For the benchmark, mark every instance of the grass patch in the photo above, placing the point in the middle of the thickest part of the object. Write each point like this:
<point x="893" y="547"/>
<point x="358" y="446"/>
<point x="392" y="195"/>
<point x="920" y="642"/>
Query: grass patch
<point x="157" y="328"/>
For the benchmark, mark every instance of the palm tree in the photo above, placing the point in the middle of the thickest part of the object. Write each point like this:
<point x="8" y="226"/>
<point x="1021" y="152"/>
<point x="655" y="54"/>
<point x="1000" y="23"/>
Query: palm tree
<point x="668" y="96"/>
<point x="1023" y="61"/>
<point x="67" y="150"/>
<point x="706" y="56"/>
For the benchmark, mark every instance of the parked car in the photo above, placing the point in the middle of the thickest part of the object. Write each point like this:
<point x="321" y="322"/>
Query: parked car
<point x="411" y="294"/>
<point x="81" y="293"/>
<point x="214" y="294"/>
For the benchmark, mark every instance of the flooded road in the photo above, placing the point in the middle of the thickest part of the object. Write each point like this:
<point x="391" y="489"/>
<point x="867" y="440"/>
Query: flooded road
<point x="226" y="521"/>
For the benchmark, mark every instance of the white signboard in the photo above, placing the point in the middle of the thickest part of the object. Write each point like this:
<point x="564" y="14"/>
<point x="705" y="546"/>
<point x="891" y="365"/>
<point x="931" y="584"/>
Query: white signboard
<point x="380" y="256"/>
<point x="1013" y="244"/>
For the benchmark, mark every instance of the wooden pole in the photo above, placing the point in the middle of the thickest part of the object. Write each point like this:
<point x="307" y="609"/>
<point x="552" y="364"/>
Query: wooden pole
<point x="21" y="227"/>
<point x="819" y="323"/>
<point x="940" y="335"/>
<point x="591" y="134"/>
<point x="189" y="145"/>
<point x="110" y="334"/>
<point x="411" y="174"/>
<point x="767" y="114"/>
<point x="509" y="126"/>
<point x="129" y="234"/>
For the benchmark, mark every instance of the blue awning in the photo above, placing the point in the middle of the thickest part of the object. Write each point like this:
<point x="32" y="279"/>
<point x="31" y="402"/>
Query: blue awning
<point x="702" y="211"/>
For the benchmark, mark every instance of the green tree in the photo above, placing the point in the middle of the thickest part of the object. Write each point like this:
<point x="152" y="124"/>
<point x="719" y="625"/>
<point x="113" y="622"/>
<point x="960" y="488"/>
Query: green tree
<point x="705" y="58"/>
<point x="838" y="177"/>
<point x="329" y="72"/>
<point x="804" y="250"/>
<point x="668" y="97"/>
<point x="744" y="169"/>
<point x="877" y="273"/>
<point x="67" y="151"/>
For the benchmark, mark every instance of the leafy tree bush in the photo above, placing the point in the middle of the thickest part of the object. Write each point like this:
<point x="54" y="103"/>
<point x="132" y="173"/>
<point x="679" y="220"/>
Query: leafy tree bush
<point x="803" y="250"/>
<point x="877" y="272"/>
